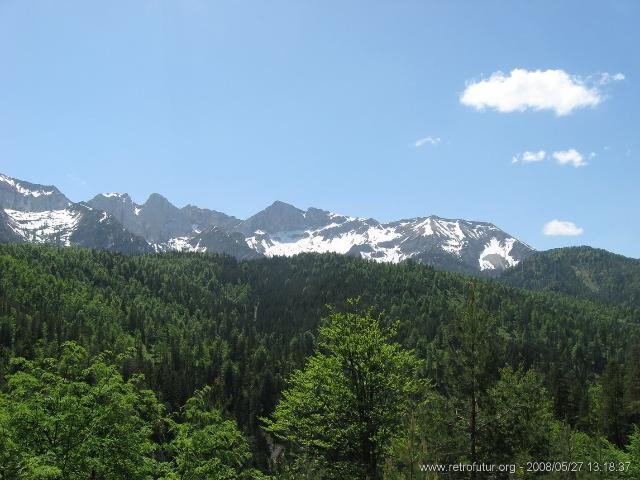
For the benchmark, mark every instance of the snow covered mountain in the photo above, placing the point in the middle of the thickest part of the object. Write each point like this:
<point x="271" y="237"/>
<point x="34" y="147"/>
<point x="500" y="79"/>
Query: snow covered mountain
<point x="37" y="213"/>
<point x="42" y="214"/>
<point x="460" y="245"/>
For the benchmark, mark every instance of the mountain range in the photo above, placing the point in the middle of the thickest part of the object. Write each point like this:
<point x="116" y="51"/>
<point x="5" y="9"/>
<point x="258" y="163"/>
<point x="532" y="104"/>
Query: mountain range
<point x="113" y="221"/>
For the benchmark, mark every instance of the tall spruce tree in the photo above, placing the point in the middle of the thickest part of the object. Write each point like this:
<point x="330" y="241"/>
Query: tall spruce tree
<point x="472" y="349"/>
<point x="632" y="384"/>
<point x="611" y="411"/>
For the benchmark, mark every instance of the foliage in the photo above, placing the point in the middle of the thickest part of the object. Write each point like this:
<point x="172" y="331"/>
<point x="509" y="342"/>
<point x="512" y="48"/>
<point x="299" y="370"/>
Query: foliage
<point x="519" y="419"/>
<point x="177" y="323"/>
<point x="207" y="446"/>
<point x="74" y="418"/>
<point x="581" y="272"/>
<point x="347" y="402"/>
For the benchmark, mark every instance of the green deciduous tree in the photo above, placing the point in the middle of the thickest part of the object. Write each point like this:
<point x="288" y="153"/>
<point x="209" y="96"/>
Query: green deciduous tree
<point x="598" y="458"/>
<point x="75" y="418"/>
<point x="342" y="409"/>
<point x="633" y="453"/>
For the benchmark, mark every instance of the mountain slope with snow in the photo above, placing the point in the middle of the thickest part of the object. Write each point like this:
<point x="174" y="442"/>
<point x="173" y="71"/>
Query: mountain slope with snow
<point x="77" y="225"/>
<point x="458" y="244"/>
<point x="42" y="214"/>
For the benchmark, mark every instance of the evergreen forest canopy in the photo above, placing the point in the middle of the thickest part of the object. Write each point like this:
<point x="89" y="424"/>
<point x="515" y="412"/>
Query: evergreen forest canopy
<point x="582" y="272"/>
<point x="197" y="366"/>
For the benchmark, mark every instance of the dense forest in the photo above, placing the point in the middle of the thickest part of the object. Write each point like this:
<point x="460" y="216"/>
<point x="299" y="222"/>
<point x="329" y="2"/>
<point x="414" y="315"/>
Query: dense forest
<point x="582" y="272"/>
<point x="198" y="366"/>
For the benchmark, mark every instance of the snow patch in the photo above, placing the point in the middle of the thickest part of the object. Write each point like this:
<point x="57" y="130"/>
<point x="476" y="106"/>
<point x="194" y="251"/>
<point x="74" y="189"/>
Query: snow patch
<point x="48" y="226"/>
<point x="323" y="240"/>
<point x="495" y="248"/>
<point x="24" y="191"/>
<point x="178" y="244"/>
<point x="426" y="227"/>
<point x="385" y="255"/>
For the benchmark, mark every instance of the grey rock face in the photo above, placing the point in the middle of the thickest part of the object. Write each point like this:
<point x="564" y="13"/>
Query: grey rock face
<point x="277" y="217"/>
<point x="7" y="230"/>
<point x="120" y="206"/>
<point x="212" y="240"/>
<point x="157" y="220"/>
<point x="161" y="220"/>
<point x="99" y="230"/>
<point x="203" y="218"/>
<point x="30" y="197"/>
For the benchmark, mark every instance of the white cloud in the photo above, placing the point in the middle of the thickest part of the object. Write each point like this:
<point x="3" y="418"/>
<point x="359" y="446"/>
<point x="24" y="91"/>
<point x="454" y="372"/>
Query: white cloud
<point x="563" y="157"/>
<point x="571" y="157"/>
<point x="537" y="90"/>
<point x="429" y="140"/>
<point x="529" y="157"/>
<point x="533" y="156"/>
<point x="608" y="78"/>
<point x="562" y="228"/>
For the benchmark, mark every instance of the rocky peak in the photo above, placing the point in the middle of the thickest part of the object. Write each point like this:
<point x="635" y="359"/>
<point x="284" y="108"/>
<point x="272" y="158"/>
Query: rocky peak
<point x="30" y="197"/>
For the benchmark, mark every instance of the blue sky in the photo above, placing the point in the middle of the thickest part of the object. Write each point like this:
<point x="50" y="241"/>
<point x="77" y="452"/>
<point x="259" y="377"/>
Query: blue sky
<point x="232" y="105"/>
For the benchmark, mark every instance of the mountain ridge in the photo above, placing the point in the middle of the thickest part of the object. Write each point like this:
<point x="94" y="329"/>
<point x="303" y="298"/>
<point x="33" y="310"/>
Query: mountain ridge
<point x="42" y="214"/>
<point x="580" y="272"/>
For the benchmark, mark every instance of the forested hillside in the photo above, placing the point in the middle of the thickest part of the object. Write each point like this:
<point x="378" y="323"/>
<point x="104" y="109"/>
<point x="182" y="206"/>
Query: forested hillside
<point x="582" y="272"/>
<point x="185" y="341"/>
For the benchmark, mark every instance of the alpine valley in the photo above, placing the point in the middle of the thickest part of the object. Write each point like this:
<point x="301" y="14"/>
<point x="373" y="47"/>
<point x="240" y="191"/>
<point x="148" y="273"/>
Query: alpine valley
<point x="113" y="221"/>
<point x="130" y="360"/>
